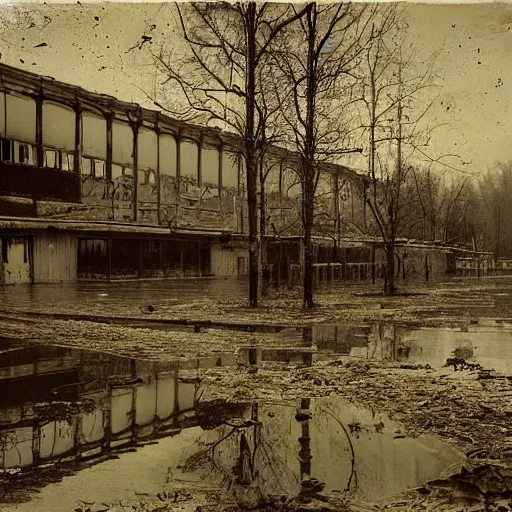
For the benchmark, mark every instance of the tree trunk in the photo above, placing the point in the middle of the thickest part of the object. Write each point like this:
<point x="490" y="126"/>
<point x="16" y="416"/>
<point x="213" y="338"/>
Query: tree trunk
<point x="308" y="208"/>
<point x="250" y="155"/>
<point x="389" y="282"/>
<point x="264" y="270"/>
<point x="308" y="167"/>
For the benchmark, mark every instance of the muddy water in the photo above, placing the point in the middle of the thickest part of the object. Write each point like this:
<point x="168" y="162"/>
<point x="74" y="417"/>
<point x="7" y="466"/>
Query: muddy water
<point x="125" y="298"/>
<point x="489" y="343"/>
<point x="75" y="408"/>
<point x="68" y="405"/>
<point x="344" y="447"/>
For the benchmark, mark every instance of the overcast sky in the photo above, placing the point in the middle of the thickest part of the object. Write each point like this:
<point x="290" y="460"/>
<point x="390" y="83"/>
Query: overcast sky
<point x="87" y="45"/>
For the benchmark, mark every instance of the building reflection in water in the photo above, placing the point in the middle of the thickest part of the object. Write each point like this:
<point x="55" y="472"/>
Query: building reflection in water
<point x="58" y="403"/>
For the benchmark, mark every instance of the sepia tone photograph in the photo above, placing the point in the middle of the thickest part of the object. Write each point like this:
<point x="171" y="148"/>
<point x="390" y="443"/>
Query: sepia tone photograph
<point x="255" y="256"/>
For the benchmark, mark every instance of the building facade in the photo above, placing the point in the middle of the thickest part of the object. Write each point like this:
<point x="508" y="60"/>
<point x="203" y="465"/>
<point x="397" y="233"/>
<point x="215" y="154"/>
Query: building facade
<point x="95" y="188"/>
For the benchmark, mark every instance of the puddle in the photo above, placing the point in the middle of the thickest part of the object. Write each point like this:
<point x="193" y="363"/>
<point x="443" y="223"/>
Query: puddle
<point x="265" y="450"/>
<point x="345" y="447"/>
<point x="61" y="405"/>
<point x="64" y="410"/>
<point x="488" y="344"/>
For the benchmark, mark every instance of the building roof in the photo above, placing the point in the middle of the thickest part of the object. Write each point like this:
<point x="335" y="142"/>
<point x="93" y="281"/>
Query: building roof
<point x="102" y="227"/>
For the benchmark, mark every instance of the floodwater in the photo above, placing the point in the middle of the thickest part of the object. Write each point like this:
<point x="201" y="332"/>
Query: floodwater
<point x="123" y="297"/>
<point x="488" y="343"/>
<point x="72" y="408"/>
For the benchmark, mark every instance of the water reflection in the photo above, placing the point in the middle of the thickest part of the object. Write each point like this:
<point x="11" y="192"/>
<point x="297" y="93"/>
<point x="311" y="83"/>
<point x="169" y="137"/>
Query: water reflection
<point x="67" y="404"/>
<point x="488" y="343"/>
<point x="61" y="405"/>
<point x="330" y="445"/>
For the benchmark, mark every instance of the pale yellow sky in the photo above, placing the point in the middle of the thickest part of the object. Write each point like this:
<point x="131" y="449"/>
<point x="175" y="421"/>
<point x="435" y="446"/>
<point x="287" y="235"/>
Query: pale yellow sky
<point x="87" y="44"/>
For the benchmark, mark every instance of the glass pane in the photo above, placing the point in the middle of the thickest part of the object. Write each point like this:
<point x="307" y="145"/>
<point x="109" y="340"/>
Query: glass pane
<point x="50" y="159"/>
<point x="117" y="171"/>
<point x="71" y="161"/>
<point x="86" y="166"/>
<point x="65" y="161"/>
<point x="99" y="168"/>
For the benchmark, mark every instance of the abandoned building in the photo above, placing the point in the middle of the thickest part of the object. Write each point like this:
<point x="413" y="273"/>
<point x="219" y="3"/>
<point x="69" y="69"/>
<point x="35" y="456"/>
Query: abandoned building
<point x="92" y="187"/>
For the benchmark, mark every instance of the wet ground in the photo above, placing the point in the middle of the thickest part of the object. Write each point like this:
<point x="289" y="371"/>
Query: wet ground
<point x="364" y="403"/>
<point x="65" y="405"/>
<point x="224" y="301"/>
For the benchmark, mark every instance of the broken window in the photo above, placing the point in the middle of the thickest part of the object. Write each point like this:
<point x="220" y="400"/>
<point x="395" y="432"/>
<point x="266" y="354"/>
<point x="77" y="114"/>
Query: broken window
<point x="151" y="177"/>
<point x="5" y="250"/>
<point x="7" y="153"/>
<point x="23" y="153"/>
<point x="87" y="166"/>
<point x="51" y="159"/>
<point x="99" y="169"/>
<point x="117" y="171"/>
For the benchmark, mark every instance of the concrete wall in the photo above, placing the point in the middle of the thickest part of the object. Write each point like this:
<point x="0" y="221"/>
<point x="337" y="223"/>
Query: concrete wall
<point x="55" y="257"/>
<point x="225" y="262"/>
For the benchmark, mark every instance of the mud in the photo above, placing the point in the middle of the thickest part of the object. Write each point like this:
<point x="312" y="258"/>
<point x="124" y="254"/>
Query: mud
<point x="364" y="403"/>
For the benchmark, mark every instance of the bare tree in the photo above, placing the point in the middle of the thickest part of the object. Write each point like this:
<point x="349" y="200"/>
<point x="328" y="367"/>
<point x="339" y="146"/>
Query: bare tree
<point x="317" y="59"/>
<point x="217" y="77"/>
<point x="394" y="95"/>
<point x="437" y="195"/>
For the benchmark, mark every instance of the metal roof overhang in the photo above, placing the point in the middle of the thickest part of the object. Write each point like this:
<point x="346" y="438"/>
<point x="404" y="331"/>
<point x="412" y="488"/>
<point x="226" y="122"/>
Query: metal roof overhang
<point x="104" y="229"/>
